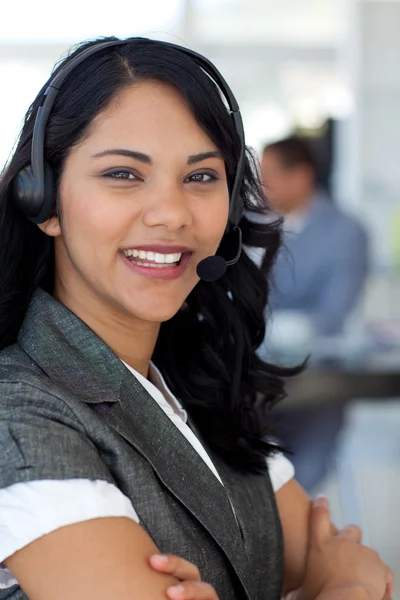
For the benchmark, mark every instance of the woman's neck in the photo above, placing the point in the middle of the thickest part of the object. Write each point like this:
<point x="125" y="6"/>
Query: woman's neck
<point x="131" y="339"/>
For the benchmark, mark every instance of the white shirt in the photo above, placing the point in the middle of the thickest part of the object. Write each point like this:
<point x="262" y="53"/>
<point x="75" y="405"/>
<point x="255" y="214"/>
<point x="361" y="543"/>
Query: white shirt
<point x="31" y="510"/>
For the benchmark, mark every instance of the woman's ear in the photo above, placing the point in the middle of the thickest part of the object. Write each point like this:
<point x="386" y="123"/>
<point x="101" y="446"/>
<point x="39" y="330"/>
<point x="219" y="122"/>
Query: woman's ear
<point x="51" y="227"/>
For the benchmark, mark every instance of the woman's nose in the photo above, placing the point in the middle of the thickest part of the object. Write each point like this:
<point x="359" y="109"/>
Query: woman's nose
<point x="168" y="207"/>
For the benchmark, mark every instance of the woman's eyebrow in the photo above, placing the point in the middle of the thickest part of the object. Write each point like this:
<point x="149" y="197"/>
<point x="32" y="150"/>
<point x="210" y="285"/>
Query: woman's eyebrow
<point x="146" y="159"/>
<point x="195" y="158"/>
<point x="140" y="156"/>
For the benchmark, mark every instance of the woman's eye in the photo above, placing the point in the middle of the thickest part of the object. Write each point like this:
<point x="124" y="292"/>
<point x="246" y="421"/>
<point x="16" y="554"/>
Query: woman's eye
<point x="126" y="175"/>
<point x="201" y="178"/>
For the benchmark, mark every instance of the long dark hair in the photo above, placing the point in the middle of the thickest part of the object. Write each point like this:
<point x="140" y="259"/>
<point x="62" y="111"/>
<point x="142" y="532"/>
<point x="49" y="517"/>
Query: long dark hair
<point x="207" y="351"/>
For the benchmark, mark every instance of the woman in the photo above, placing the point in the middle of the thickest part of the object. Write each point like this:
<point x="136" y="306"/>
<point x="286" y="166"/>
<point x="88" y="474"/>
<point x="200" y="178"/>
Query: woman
<point x="144" y="177"/>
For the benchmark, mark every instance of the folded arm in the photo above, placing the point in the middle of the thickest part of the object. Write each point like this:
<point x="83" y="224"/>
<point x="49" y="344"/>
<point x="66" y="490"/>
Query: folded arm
<point x="102" y="559"/>
<point x="294" y="507"/>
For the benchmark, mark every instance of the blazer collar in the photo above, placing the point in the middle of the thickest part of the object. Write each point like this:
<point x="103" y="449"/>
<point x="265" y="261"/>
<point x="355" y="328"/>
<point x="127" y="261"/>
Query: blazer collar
<point x="69" y="352"/>
<point x="72" y="355"/>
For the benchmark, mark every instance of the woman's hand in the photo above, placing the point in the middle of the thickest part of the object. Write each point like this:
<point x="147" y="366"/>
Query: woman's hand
<point x="338" y="566"/>
<point x="191" y="586"/>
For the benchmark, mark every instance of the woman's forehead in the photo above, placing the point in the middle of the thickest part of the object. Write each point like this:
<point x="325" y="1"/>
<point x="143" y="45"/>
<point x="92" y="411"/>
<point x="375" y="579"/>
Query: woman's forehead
<point x="149" y="113"/>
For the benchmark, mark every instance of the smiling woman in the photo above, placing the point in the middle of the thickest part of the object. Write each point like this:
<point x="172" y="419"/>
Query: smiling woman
<point x="133" y="405"/>
<point x="138" y="173"/>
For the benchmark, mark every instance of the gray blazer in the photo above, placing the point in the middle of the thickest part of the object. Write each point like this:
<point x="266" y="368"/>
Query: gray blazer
<point x="69" y="408"/>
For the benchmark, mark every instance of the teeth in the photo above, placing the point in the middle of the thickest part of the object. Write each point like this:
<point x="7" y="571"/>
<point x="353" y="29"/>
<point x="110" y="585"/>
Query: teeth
<point x="153" y="257"/>
<point x="153" y="265"/>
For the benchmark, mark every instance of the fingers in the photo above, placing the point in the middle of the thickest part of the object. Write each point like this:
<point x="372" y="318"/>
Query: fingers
<point x="352" y="533"/>
<point x="192" y="590"/>
<point x="320" y="521"/>
<point x="390" y="583"/>
<point x="191" y="587"/>
<point x="174" y="565"/>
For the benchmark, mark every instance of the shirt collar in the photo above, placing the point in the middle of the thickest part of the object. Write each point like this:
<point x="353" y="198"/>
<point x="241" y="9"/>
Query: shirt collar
<point x="297" y="220"/>
<point x="158" y="389"/>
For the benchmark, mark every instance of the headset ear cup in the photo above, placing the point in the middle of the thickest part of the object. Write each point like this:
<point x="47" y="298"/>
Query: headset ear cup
<point x="24" y="192"/>
<point x="31" y="198"/>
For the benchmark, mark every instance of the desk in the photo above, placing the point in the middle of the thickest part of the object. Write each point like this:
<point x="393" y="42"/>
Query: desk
<point x="335" y="385"/>
<point x="340" y="375"/>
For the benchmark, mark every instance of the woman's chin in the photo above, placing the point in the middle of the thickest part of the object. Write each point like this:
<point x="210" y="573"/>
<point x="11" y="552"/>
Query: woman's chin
<point x="158" y="314"/>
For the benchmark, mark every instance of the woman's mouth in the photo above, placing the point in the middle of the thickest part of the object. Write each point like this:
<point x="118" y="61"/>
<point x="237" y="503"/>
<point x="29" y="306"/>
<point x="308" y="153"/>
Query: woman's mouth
<point x="154" y="260"/>
<point x="162" y="264"/>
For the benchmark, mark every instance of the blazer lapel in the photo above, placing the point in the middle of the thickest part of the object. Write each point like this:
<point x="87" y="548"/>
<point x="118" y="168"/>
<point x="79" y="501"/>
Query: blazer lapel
<point x="143" y="424"/>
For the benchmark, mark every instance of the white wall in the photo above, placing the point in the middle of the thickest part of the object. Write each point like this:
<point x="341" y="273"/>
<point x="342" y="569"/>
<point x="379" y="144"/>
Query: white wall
<point x="379" y="125"/>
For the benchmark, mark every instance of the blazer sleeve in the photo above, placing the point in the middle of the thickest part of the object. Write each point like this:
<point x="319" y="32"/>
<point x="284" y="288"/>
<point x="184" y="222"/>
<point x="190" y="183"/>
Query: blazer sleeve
<point x="41" y="438"/>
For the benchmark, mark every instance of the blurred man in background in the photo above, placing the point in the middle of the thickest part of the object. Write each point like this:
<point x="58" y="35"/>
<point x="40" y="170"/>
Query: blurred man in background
<point x="319" y="274"/>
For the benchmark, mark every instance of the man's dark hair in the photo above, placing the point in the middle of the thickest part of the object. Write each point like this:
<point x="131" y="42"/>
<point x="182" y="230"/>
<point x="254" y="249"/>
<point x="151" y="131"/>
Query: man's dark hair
<point x="292" y="152"/>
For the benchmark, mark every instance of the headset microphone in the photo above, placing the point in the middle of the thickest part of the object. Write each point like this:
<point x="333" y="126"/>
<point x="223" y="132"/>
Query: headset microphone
<point x="213" y="267"/>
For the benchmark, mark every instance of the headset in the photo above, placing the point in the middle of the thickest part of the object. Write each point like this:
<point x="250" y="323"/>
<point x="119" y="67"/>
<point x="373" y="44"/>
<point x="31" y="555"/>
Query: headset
<point x="32" y="190"/>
